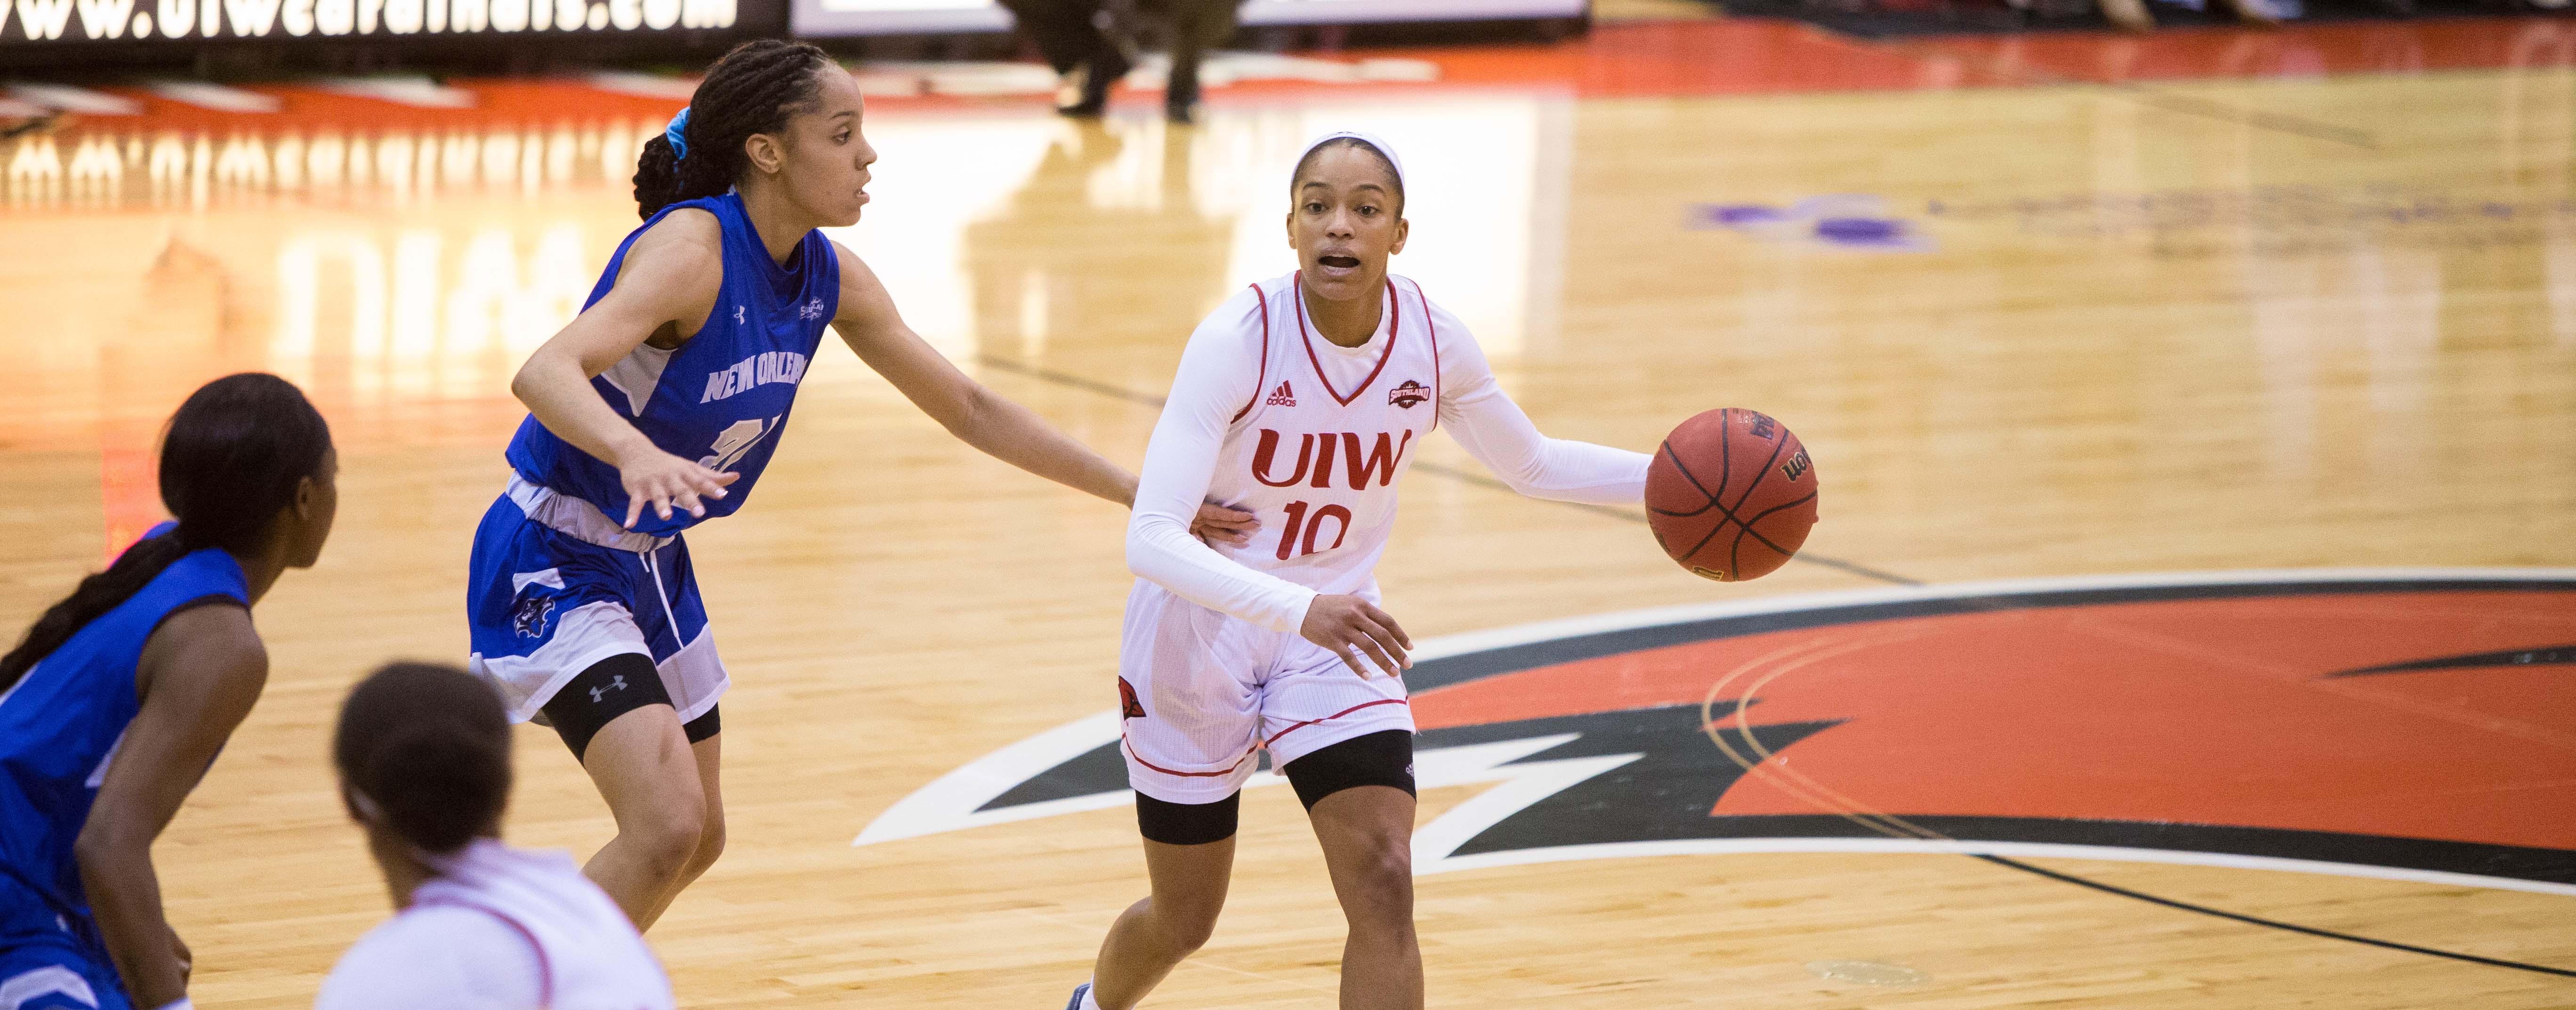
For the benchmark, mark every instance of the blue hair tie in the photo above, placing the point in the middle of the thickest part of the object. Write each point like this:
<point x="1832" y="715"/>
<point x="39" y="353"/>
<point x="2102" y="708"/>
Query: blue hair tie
<point x="677" y="134"/>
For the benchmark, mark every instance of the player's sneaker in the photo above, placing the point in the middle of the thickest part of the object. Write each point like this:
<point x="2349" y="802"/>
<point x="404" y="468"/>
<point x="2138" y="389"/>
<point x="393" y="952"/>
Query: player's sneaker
<point x="1078" y="993"/>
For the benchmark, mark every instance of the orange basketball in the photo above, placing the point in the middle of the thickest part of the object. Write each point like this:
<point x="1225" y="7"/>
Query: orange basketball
<point x="1731" y="495"/>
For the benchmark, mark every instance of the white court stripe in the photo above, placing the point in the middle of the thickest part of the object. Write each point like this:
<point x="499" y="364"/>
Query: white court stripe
<point x="645" y="85"/>
<point x="216" y="97"/>
<point x="11" y="108"/>
<point x="2023" y="850"/>
<point x="418" y="92"/>
<point x="80" y="100"/>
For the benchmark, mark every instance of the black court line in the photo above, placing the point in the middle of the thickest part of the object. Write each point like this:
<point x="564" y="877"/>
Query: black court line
<point x="2273" y="923"/>
<point x="1480" y="480"/>
<point x="1072" y="381"/>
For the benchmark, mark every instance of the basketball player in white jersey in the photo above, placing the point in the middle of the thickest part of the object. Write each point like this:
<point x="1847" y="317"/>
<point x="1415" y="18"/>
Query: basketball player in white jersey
<point x="424" y="759"/>
<point x="1299" y="400"/>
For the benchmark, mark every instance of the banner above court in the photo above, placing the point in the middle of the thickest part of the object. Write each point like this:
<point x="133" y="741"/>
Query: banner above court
<point x="818" y="18"/>
<point x="33" y="24"/>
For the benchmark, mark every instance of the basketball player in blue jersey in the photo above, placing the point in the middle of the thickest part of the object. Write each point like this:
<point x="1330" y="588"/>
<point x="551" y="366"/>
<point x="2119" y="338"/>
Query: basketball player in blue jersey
<point x="658" y="407"/>
<point x="119" y="697"/>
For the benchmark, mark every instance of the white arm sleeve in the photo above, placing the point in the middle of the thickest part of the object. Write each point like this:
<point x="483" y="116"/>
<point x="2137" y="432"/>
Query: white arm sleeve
<point x="1218" y="372"/>
<point x="1493" y="429"/>
<point x="435" y="959"/>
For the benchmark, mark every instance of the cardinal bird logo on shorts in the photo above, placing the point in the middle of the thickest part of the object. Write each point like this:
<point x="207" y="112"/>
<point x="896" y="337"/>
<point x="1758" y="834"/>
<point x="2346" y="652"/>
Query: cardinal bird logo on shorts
<point x="1128" y="706"/>
<point x="1408" y="394"/>
<point x="2414" y="726"/>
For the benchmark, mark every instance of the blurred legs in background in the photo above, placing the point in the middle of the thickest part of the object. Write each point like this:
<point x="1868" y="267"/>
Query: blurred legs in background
<point x="1068" y="33"/>
<point x="1197" y="26"/>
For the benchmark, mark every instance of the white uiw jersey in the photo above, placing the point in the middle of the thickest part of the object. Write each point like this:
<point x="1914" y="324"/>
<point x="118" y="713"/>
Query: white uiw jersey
<point x="1268" y="416"/>
<point x="1318" y="449"/>
<point x="501" y="929"/>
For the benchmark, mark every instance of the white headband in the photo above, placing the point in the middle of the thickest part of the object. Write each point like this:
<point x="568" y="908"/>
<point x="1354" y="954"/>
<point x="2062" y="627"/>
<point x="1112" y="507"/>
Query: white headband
<point x="1371" y="139"/>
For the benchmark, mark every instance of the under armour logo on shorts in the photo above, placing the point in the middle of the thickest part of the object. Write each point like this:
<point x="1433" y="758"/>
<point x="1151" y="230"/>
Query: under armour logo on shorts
<point x="616" y="682"/>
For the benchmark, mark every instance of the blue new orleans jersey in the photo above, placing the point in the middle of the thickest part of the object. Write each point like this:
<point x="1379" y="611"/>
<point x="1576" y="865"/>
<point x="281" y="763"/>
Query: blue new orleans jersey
<point x="722" y="397"/>
<point x="60" y="726"/>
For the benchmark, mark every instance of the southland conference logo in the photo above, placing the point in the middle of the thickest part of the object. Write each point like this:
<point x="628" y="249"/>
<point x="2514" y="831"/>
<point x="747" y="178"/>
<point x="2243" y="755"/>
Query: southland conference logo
<point x="2354" y="722"/>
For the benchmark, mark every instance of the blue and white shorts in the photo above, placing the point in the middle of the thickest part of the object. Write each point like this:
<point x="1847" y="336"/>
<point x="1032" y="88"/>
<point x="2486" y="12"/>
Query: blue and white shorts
<point x="49" y="963"/>
<point x="556" y="586"/>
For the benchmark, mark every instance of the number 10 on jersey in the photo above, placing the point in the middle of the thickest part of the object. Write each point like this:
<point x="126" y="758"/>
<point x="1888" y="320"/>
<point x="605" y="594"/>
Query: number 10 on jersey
<point x="1300" y="524"/>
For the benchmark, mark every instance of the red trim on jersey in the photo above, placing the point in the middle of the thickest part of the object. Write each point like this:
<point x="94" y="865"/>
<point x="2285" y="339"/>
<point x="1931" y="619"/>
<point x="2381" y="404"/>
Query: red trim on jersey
<point x="1274" y="738"/>
<point x="1433" y="327"/>
<point x="1140" y="759"/>
<point x="1394" y="330"/>
<point x="545" y="968"/>
<point x="1262" y="299"/>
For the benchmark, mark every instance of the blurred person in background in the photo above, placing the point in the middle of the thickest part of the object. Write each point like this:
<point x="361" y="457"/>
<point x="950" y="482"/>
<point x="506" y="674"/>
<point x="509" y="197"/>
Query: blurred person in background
<point x="1090" y="58"/>
<point x="2132" y="15"/>
<point x="114" y="705"/>
<point x="423" y="752"/>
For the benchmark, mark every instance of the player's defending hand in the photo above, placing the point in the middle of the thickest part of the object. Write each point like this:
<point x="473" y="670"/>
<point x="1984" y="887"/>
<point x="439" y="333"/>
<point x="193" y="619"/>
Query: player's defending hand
<point x="1217" y="524"/>
<point x="1345" y="625"/>
<point x="666" y="480"/>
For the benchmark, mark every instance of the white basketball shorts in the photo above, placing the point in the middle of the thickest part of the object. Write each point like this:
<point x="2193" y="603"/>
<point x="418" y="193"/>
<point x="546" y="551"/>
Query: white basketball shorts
<point x="1203" y="692"/>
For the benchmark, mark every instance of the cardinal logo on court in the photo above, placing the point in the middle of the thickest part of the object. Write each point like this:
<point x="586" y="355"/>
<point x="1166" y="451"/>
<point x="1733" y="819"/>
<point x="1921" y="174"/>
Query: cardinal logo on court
<point x="530" y="617"/>
<point x="1408" y="394"/>
<point x="2081" y="717"/>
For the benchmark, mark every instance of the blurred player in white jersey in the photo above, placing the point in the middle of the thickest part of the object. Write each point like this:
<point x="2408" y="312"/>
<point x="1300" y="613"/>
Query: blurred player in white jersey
<point x="1299" y="400"/>
<point x="424" y="759"/>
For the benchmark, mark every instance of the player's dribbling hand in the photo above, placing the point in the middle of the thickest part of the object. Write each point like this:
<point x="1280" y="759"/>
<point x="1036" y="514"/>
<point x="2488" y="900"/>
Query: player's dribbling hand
<point x="1348" y="625"/>
<point x="1218" y="524"/>
<point x="665" y="480"/>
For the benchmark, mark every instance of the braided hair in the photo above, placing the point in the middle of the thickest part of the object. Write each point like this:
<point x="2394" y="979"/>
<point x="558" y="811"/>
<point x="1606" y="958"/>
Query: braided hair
<point x="753" y="89"/>
<point x="232" y="459"/>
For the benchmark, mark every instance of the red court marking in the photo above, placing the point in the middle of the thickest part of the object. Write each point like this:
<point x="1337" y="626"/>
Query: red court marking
<point x="2200" y="711"/>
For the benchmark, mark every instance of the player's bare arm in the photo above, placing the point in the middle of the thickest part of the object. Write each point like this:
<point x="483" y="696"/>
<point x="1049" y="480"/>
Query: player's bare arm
<point x="1001" y="428"/>
<point x="199" y="676"/>
<point x="663" y="293"/>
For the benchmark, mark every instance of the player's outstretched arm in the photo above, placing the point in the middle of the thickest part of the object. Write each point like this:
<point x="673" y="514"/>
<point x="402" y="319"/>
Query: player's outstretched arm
<point x="1004" y="430"/>
<point x="200" y="674"/>
<point x="667" y="283"/>
<point x="1499" y="435"/>
<point x="982" y="418"/>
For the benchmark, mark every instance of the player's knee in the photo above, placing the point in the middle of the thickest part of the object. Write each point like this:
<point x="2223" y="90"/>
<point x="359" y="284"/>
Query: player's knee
<point x="1381" y="879"/>
<point x="711" y="843"/>
<point x="1186" y="926"/>
<point x="667" y="838"/>
<point x="1386" y="865"/>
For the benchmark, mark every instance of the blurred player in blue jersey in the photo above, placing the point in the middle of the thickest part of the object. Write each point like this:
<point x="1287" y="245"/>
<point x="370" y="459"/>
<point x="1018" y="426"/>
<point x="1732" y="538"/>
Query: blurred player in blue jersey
<point x="117" y="700"/>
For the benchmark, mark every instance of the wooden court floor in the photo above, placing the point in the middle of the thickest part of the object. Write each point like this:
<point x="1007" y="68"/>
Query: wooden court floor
<point x="2320" y="326"/>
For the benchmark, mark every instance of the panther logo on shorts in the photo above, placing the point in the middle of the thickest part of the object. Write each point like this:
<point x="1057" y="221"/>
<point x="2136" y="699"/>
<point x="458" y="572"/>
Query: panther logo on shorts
<point x="1128" y="706"/>
<point x="530" y="618"/>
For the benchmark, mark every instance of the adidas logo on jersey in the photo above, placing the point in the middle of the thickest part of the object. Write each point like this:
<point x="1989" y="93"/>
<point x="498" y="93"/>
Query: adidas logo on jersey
<point x="1283" y="396"/>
